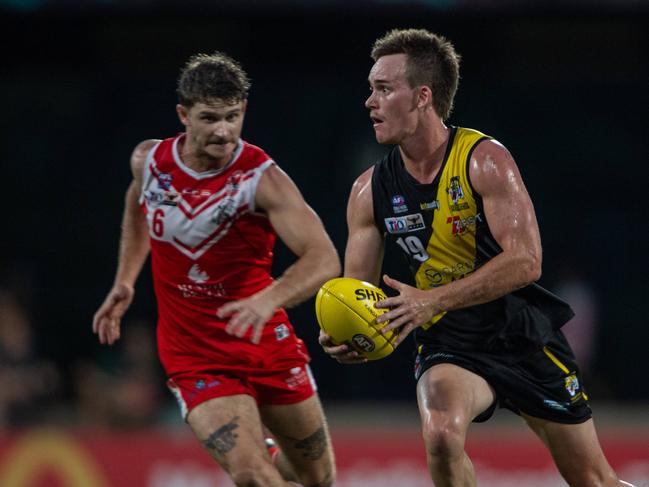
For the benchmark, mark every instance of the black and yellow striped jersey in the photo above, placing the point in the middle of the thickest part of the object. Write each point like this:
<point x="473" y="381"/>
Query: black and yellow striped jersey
<point x="444" y="235"/>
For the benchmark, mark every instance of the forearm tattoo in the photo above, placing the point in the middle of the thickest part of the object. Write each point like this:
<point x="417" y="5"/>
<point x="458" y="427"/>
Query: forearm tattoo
<point x="314" y="446"/>
<point x="223" y="439"/>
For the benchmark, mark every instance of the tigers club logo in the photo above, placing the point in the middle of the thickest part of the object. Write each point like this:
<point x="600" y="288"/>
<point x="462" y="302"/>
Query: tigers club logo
<point x="455" y="190"/>
<point x="572" y="384"/>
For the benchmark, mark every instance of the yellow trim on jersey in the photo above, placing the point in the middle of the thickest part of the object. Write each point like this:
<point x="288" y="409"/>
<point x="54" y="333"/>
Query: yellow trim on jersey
<point x="556" y="361"/>
<point x="452" y="247"/>
<point x="566" y="371"/>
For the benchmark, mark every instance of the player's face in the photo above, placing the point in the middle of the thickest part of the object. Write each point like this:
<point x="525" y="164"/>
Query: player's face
<point x="392" y="102"/>
<point x="213" y="129"/>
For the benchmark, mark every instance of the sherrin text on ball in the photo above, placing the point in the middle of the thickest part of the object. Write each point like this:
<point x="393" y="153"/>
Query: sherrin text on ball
<point x="345" y="311"/>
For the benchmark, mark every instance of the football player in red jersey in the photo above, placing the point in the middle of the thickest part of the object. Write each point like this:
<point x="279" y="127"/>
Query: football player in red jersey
<point x="208" y="206"/>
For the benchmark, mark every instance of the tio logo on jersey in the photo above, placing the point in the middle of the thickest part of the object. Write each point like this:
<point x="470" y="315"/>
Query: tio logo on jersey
<point x="404" y="224"/>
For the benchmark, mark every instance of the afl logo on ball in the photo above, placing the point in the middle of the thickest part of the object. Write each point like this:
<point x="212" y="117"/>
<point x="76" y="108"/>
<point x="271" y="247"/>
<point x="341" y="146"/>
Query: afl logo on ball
<point x="363" y="343"/>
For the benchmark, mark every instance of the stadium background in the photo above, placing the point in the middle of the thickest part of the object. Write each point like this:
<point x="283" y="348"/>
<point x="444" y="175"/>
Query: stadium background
<point x="562" y="84"/>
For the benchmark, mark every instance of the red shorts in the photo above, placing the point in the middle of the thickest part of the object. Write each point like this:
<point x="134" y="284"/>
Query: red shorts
<point x="290" y="384"/>
<point x="203" y="362"/>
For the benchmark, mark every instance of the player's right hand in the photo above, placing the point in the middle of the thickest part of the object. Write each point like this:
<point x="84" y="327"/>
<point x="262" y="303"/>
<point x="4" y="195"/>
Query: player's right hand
<point x="342" y="353"/>
<point x="107" y="320"/>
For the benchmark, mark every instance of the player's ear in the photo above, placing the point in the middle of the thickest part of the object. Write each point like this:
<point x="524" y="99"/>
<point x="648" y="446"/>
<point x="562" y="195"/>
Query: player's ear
<point x="183" y="114"/>
<point x="424" y="97"/>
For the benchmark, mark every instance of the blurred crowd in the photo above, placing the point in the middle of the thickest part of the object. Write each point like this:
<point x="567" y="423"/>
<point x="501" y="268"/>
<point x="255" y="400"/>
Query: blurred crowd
<point x="123" y="385"/>
<point x="28" y="384"/>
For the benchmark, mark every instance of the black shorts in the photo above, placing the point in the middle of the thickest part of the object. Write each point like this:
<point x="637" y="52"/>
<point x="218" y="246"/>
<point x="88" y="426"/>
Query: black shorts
<point x="546" y="384"/>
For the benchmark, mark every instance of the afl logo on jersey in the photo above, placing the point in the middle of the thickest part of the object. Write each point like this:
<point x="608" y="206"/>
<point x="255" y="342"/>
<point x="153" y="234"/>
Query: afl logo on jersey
<point x="164" y="180"/>
<point x="399" y="204"/>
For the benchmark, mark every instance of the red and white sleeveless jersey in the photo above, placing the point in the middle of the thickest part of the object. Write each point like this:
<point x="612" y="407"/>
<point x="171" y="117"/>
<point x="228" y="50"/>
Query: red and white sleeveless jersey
<point x="208" y="247"/>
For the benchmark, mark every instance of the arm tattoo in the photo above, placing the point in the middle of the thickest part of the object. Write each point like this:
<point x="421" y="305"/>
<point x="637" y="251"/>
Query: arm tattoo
<point x="223" y="439"/>
<point x="314" y="446"/>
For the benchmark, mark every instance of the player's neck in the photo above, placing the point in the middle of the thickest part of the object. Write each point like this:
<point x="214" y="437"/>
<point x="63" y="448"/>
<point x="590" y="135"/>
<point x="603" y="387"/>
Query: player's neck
<point x="203" y="164"/>
<point x="423" y="152"/>
<point x="196" y="161"/>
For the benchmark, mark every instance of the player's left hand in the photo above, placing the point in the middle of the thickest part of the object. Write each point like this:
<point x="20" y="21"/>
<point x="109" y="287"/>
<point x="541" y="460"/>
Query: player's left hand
<point x="252" y="312"/>
<point x="409" y="310"/>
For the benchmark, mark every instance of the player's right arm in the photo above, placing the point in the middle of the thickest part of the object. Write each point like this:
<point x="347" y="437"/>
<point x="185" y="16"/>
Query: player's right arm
<point x="365" y="243"/>
<point x="363" y="253"/>
<point x="133" y="250"/>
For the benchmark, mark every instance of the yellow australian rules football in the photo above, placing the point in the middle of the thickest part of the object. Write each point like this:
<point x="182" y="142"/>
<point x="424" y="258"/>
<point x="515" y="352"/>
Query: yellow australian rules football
<point x="345" y="311"/>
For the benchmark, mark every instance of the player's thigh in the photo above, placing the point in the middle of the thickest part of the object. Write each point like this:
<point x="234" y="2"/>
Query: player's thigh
<point x="230" y="429"/>
<point x="575" y="448"/>
<point x="453" y="392"/>
<point x="302" y="432"/>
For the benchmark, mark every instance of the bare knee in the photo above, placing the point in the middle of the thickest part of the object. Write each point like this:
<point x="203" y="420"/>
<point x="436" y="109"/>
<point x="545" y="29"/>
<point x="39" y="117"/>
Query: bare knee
<point x="444" y="436"/>
<point x="592" y="478"/>
<point x="320" y="477"/>
<point x="253" y="475"/>
<point x="326" y="481"/>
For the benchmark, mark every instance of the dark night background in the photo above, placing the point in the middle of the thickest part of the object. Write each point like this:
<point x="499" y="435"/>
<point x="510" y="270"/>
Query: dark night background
<point x="565" y="89"/>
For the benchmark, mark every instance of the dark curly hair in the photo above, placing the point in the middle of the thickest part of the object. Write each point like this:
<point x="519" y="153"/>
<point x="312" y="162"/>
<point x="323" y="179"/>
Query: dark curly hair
<point x="208" y="77"/>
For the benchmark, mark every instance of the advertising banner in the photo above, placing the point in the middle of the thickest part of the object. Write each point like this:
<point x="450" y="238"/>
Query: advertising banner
<point x="365" y="458"/>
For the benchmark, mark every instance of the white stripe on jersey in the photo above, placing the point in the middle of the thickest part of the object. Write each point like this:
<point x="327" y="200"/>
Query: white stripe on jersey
<point x="194" y="230"/>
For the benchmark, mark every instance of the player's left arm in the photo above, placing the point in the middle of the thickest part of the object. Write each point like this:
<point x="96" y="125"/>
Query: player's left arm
<point x="300" y="228"/>
<point x="510" y="215"/>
